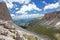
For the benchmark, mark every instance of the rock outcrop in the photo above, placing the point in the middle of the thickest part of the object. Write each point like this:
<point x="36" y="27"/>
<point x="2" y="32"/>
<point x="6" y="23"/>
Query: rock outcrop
<point x="4" y="12"/>
<point x="51" y="16"/>
<point x="51" y="19"/>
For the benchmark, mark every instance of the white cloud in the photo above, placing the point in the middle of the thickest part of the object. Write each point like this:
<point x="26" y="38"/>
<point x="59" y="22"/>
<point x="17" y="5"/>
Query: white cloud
<point x="52" y="6"/>
<point x="17" y="8"/>
<point x="27" y="16"/>
<point x="44" y="2"/>
<point x="28" y="7"/>
<point x="10" y="5"/>
<point x="19" y="1"/>
<point x="12" y="15"/>
<point x="24" y="8"/>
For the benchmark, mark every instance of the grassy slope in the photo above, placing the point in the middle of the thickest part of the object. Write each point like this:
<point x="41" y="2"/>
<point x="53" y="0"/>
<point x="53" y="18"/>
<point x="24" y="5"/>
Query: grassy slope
<point x="30" y="37"/>
<point x="45" y="31"/>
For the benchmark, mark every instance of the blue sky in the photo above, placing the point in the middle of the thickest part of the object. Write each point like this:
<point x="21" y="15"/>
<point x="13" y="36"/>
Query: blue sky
<point x="31" y="8"/>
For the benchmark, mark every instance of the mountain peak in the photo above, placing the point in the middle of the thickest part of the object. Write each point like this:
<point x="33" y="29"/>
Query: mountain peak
<point x="51" y="16"/>
<point x="4" y="13"/>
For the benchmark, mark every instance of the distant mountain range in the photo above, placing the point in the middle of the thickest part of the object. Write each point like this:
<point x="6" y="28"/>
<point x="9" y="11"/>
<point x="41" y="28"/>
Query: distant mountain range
<point x="24" y="21"/>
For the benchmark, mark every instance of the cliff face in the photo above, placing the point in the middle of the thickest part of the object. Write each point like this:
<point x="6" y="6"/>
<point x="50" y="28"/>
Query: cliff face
<point x="4" y="13"/>
<point x="51" y="16"/>
<point x="51" y="19"/>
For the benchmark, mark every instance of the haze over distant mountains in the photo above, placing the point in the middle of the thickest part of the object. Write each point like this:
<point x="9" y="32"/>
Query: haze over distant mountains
<point x="50" y="19"/>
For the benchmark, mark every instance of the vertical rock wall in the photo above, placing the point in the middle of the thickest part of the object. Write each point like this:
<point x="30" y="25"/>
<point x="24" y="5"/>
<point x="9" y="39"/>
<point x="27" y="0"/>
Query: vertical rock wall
<point x="4" y="13"/>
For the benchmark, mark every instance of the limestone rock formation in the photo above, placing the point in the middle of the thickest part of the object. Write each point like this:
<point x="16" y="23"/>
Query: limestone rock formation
<point x="4" y="13"/>
<point x="51" y="19"/>
<point x="51" y="16"/>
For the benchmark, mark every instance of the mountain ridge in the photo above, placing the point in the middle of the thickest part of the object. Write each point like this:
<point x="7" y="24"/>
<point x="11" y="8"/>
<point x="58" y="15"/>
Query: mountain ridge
<point x="4" y="12"/>
<point x="49" y="19"/>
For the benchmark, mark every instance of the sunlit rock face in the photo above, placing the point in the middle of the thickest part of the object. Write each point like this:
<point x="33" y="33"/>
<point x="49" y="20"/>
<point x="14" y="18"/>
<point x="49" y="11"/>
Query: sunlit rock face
<point x="14" y="32"/>
<point x="10" y="31"/>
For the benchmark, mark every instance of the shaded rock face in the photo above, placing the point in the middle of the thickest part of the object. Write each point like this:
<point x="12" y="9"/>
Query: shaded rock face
<point x="51" y="16"/>
<point x="4" y="13"/>
<point x="51" y="19"/>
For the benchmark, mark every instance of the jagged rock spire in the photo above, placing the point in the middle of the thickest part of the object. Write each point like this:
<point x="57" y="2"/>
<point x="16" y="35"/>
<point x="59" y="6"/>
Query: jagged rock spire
<point x="4" y="13"/>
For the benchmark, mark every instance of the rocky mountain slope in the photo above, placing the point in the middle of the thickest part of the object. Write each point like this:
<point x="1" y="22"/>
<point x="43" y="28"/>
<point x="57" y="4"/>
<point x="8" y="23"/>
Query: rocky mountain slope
<point x="10" y="31"/>
<point x="49" y="25"/>
<point x="50" y="19"/>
